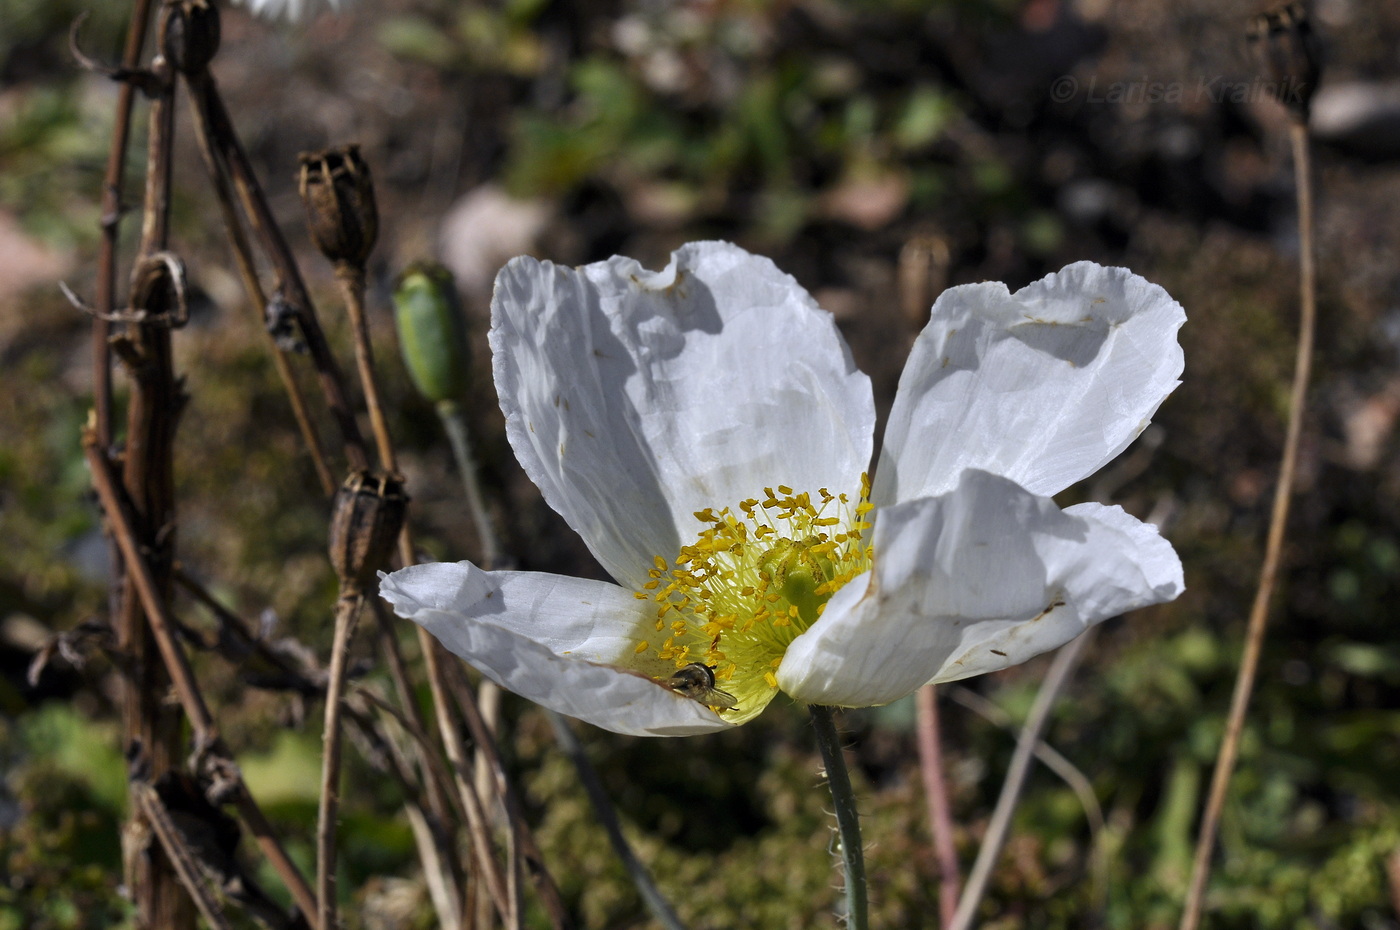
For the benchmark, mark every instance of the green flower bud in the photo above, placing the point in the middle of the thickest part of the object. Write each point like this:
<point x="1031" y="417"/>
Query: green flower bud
<point x="432" y="332"/>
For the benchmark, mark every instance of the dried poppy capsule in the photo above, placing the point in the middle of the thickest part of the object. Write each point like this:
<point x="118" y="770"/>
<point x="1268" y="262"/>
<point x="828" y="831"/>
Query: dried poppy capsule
<point x="1288" y="55"/>
<point x="432" y="334"/>
<point x="368" y="512"/>
<point x="189" y="34"/>
<point x="338" y="194"/>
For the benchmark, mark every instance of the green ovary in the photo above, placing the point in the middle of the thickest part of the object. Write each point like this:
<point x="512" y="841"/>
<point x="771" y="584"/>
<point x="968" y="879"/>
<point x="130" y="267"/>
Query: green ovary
<point x="751" y="583"/>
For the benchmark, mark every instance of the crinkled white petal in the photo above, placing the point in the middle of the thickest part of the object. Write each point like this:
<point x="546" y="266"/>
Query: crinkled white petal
<point x="1043" y="386"/>
<point x="293" y="10"/>
<point x="635" y="398"/>
<point x="553" y="639"/>
<point x="975" y="580"/>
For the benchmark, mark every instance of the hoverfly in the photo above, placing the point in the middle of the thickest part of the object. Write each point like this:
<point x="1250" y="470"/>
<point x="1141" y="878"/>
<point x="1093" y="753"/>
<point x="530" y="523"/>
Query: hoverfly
<point x="697" y="682"/>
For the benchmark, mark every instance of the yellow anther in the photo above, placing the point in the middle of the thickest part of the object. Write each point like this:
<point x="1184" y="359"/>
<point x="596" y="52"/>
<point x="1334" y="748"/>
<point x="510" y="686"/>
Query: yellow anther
<point x="755" y="576"/>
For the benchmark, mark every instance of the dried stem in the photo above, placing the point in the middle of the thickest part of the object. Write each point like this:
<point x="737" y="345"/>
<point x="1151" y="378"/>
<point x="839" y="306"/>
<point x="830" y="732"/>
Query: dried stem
<point x="347" y="613"/>
<point x="119" y="515"/>
<point x="489" y="869"/>
<point x="113" y="186"/>
<point x="1000" y="824"/>
<point x="386" y="752"/>
<point x="207" y="99"/>
<point x="352" y="288"/>
<point x="172" y="842"/>
<point x="655" y="901"/>
<point x="437" y="788"/>
<point x="352" y="284"/>
<point x="1273" y="548"/>
<point x="247" y="269"/>
<point x="528" y="849"/>
<point x="847" y="815"/>
<point x="214" y="118"/>
<point x="454" y="423"/>
<point x="148" y="480"/>
<point x="1048" y="755"/>
<point x="940" y="815"/>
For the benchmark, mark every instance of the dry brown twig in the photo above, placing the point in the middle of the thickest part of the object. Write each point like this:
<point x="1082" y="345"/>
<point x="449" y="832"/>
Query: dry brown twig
<point x="118" y="511"/>
<point x="928" y="733"/>
<point x="1286" y="50"/>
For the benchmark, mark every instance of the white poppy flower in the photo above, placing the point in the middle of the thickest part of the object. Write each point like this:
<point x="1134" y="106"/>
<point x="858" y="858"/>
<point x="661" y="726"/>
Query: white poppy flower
<point x="293" y="10"/>
<point x="705" y="431"/>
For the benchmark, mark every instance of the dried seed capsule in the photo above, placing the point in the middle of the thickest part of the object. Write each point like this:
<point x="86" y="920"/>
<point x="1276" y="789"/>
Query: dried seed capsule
<point x="338" y="194"/>
<point x="432" y="332"/>
<point x="189" y="34"/>
<point x="368" y="512"/>
<point x="1288" y="55"/>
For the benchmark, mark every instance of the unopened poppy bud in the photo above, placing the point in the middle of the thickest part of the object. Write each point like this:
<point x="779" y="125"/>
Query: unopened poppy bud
<point x="1288" y="55"/>
<point x="432" y="333"/>
<point x="189" y="34"/>
<point x="368" y="514"/>
<point x="338" y="194"/>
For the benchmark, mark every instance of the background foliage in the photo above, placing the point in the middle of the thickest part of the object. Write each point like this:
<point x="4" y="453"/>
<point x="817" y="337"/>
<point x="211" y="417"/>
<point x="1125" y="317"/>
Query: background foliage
<point x="848" y="140"/>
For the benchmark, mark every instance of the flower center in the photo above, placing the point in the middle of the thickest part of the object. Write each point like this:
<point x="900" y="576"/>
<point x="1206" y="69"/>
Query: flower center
<point x="751" y="583"/>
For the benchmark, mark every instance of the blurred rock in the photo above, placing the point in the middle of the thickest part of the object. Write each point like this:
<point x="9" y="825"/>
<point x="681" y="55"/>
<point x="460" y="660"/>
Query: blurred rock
<point x="1362" y="118"/>
<point x="24" y="261"/>
<point x="868" y="203"/>
<point x="1367" y="425"/>
<point x="486" y="228"/>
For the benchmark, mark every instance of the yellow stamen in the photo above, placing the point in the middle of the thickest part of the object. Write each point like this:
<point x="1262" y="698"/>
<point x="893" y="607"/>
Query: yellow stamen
<point x="754" y="579"/>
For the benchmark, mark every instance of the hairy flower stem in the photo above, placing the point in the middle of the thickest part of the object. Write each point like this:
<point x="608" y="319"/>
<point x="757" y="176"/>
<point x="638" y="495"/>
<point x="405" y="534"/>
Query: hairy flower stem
<point x="847" y="816"/>
<point x="347" y="613"/>
<point x="655" y="901"/>
<point x="1273" y="548"/>
<point x="1000" y="825"/>
<point x="454" y="422"/>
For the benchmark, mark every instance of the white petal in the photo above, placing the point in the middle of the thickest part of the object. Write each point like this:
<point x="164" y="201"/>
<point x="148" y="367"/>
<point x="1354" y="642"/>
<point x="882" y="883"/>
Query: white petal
<point x="634" y="399"/>
<point x="549" y="638"/>
<point x="1043" y="386"/>
<point x="979" y="579"/>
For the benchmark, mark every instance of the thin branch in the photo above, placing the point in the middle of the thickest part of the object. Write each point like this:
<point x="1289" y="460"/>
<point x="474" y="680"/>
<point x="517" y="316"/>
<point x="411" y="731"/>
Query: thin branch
<point x="347" y="612"/>
<point x="1048" y="755"/>
<point x="243" y="255"/>
<point x="528" y="850"/>
<point x="1273" y="547"/>
<point x="118" y="512"/>
<point x="113" y="186"/>
<point x="1000" y="824"/>
<point x="119" y="516"/>
<point x="352" y="288"/>
<point x="940" y="815"/>
<point x="652" y="897"/>
<point x="179" y="854"/>
<point x="206" y="96"/>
